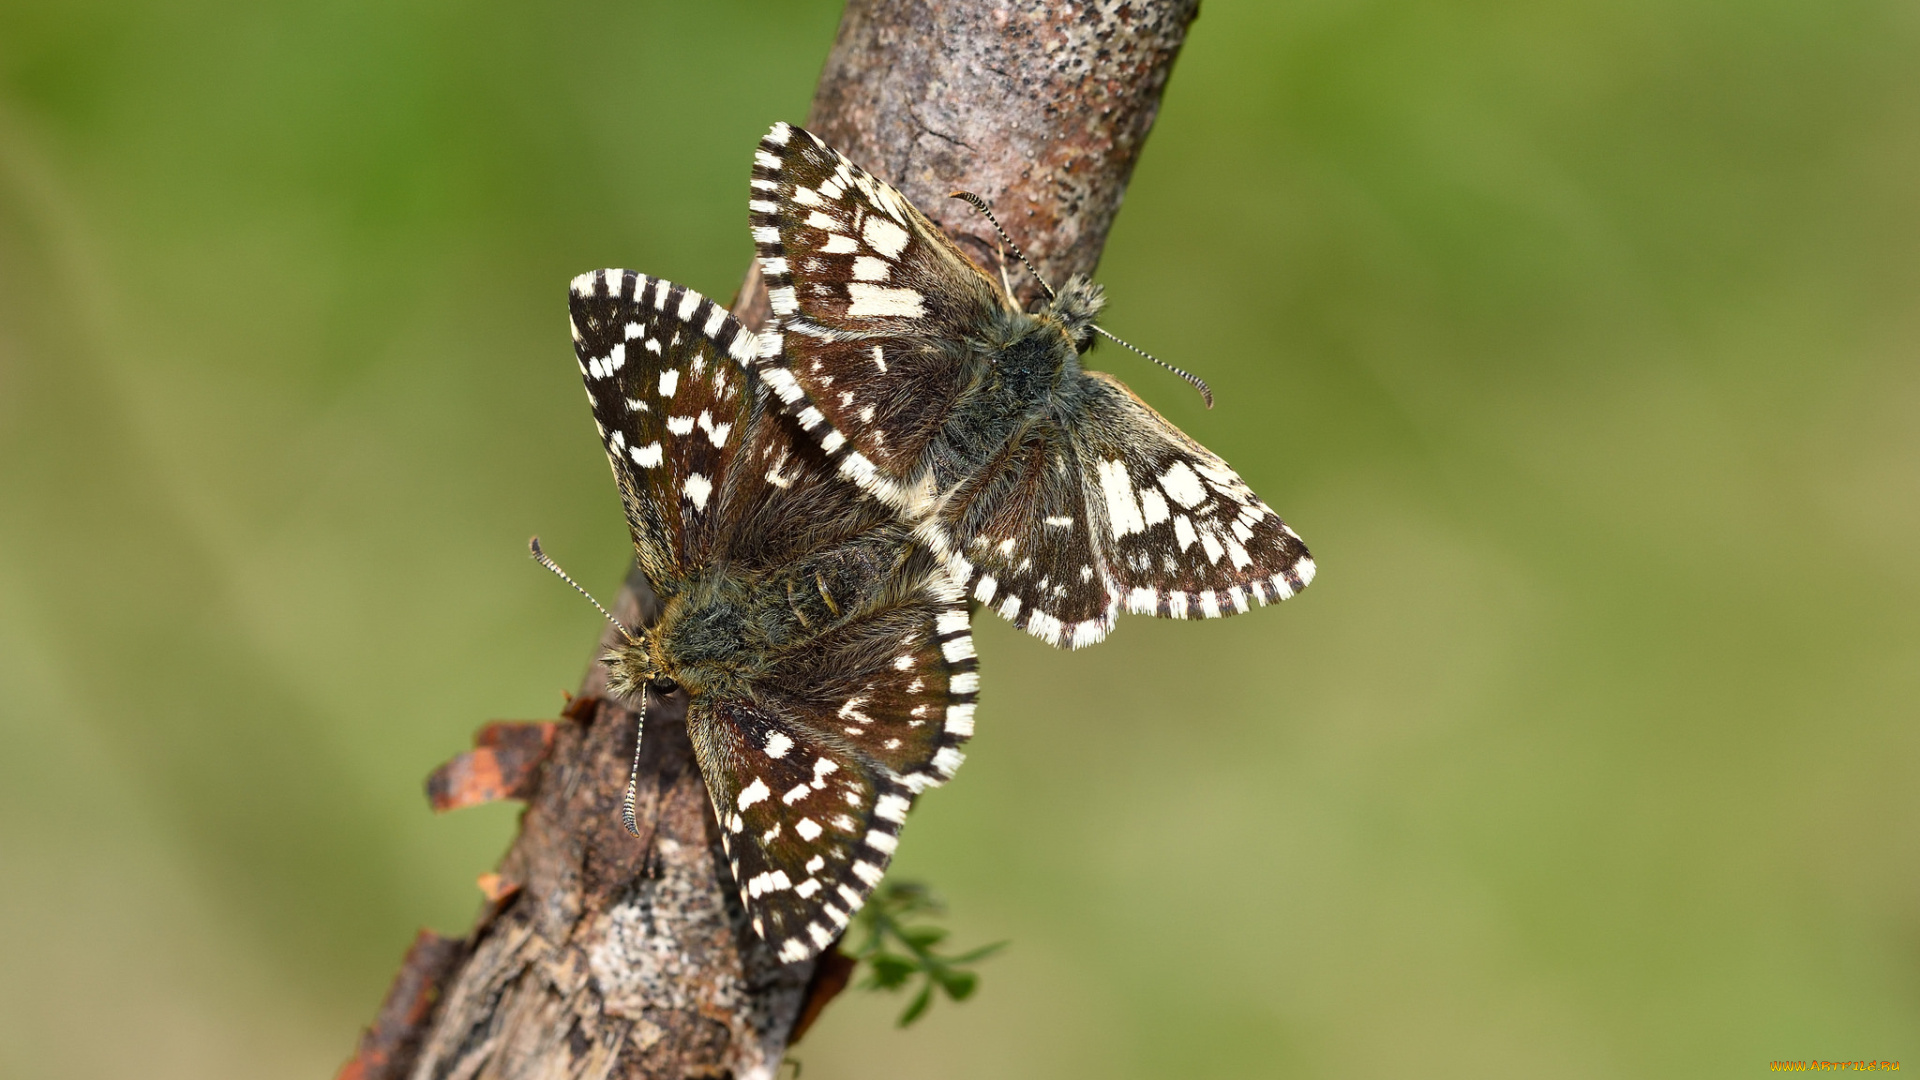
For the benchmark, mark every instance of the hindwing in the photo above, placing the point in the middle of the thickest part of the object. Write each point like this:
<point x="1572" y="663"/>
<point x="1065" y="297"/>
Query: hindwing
<point x="1017" y="533"/>
<point x="1182" y="535"/>
<point x="812" y="780"/>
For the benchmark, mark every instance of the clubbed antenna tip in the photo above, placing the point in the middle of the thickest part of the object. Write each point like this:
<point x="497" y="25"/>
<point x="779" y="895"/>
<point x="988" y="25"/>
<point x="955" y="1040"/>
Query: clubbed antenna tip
<point x="980" y="204"/>
<point x="1200" y="384"/>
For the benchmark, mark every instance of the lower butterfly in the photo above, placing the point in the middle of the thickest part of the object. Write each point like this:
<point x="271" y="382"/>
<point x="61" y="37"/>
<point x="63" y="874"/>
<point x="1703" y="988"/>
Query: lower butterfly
<point x="1052" y="492"/>
<point x="825" y="655"/>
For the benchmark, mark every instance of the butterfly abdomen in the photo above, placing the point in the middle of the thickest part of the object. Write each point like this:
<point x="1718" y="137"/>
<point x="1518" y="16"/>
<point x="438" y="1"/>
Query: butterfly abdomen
<point x="834" y="584"/>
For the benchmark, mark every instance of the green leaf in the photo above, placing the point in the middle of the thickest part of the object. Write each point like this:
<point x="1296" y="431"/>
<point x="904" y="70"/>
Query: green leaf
<point x="920" y="1002"/>
<point x="924" y="937"/>
<point x="890" y="971"/>
<point x="959" y="985"/>
<point x="896" y="953"/>
<point x="980" y="953"/>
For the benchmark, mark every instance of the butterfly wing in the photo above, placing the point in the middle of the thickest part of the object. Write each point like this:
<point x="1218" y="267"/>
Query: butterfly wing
<point x="1182" y="536"/>
<point x="659" y="362"/>
<point x="1018" y="533"/>
<point x="875" y="311"/>
<point x="785" y="499"/>
<point x="812" y="781"/>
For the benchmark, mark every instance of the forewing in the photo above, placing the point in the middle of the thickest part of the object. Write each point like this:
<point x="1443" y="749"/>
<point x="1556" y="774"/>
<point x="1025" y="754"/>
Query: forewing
<point x="812" y="783"/>
<point x="659" y="362"/>
<point x="1182" y="535"/>
<point x="1018" y="533"/>
<point x="874" y="310"/>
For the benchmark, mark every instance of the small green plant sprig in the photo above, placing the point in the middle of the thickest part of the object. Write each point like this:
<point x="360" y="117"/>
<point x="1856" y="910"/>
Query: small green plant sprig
<point x="895" y="952"/>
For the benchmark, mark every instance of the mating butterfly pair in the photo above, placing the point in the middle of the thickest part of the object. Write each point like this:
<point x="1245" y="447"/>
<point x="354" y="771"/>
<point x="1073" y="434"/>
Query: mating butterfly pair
<point x="822" y="636"/>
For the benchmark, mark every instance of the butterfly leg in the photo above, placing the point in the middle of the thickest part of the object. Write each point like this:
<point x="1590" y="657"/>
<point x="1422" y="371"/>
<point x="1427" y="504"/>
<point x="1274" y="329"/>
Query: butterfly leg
<point x="795" y="606"/>
<point x="1005" y="281"/>
<point x="820" y="582"/>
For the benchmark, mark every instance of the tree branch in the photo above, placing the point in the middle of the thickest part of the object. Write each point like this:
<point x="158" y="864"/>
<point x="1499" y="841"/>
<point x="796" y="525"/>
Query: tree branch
<point x="602" y="955"/>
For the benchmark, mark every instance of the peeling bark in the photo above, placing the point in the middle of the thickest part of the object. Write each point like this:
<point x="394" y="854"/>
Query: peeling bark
<point x="392" y="1042"/>
<point x="603" y="955"/>
<point x="503" y="764"/>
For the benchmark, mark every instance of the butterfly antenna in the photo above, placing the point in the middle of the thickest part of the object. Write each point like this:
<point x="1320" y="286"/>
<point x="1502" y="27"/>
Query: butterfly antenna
<point x="980" y="204"/>
<point x="633" y="777"/>
<point x="541" y="558"/>
<point x="975" y="201"/>
<point x="1200" y="384"/>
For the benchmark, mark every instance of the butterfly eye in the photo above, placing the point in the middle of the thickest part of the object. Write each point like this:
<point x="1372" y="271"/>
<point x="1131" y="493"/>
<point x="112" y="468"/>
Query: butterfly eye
<point x="664" y="686"/>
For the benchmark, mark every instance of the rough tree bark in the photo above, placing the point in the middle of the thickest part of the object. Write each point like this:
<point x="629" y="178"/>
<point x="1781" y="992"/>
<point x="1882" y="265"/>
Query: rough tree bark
<point x="601" y="955"/>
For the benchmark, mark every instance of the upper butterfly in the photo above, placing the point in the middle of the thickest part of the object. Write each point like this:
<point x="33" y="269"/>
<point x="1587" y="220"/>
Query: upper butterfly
<point x="826" y="657"/>
<point x="1052" y="492"/>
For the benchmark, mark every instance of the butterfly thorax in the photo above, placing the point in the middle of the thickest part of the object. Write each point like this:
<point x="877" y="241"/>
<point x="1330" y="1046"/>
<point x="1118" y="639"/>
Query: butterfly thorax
<point x="712" y="638"/>
<point x="1036" y="356"/>
<point x="718" y="634"/>
<point x="1030" y="369"/>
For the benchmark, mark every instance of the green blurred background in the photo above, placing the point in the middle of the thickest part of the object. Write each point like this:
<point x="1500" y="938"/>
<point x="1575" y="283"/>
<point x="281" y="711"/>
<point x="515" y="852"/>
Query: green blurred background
<point x="1579" y="340"/>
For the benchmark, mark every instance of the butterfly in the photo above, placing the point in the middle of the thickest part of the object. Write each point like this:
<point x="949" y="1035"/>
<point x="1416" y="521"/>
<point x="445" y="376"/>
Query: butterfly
<point x="1051" y="492"/>
<point x="826" y="656"/>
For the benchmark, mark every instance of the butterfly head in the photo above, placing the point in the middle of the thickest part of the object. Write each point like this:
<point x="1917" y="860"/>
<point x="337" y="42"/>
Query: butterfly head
<point x="703" y="643"/>
<point x="1075" y="307"/>
<point x="633" y="664"/>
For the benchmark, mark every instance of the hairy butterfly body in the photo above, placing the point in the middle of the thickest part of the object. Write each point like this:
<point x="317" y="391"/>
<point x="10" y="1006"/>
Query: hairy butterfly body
<point x="1053" y="493"/>
<point x="826" y="656"/>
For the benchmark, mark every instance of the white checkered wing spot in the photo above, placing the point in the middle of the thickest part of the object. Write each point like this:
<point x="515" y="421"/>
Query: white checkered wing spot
<point x="1182" y="536"/>
<point x="874" y="311"/>
<point x="812" y="780"/>
<point x="660" y="363"/>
